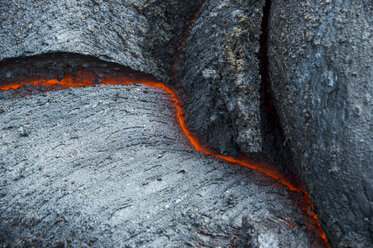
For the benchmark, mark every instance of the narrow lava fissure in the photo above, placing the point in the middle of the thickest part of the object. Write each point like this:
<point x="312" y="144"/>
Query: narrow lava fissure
<point x="85" y="77"/>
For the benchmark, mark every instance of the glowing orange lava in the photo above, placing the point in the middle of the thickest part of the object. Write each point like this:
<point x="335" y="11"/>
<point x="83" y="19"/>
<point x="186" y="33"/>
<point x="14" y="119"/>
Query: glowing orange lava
<point x="83" y="78"/>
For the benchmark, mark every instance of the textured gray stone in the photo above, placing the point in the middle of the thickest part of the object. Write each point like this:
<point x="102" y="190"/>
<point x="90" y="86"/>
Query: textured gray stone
<point x="218" y="71"/>
<point x="321" y="58"/>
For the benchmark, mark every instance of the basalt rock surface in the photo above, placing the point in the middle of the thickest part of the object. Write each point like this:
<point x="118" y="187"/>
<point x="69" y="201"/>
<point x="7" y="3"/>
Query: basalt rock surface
<point x="320" y="57"/>
<point x="140" y="34"/>
<point x="321" y="68"/>
<point x="107" y="166"/>
<point x="218" y="70"/>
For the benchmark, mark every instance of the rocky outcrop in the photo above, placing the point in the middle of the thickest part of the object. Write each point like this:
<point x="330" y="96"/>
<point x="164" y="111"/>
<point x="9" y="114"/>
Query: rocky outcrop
<point x="320" y="55"/>
<point x="140" y="34"/>
<point x="218" y="71"/>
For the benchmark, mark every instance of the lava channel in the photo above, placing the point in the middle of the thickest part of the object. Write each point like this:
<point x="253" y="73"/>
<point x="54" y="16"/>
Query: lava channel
<point x="84" y="78"/>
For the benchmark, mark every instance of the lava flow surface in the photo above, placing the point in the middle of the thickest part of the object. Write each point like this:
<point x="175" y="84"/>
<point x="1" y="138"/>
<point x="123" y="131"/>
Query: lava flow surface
<point x="86" y="78"/>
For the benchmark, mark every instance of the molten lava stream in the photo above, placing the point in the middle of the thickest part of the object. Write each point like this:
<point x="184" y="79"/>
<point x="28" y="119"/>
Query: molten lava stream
<point x="83" y="78"/>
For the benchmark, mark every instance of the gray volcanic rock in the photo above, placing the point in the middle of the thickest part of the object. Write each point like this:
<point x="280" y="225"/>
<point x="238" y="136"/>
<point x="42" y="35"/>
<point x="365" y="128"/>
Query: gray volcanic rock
<point x="52" y="191"/>
<point x="219" y="73"/>
<point x="321" y="66"/>
<point x="140" y="34"/>
<point x="107" y="166"/>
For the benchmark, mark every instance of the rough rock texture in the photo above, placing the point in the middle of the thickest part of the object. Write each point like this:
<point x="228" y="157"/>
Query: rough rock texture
<point x="140" y="34"/>
<point x="107" y="166"/>
<point x="218" y="71"/>
<point x="321" y="69"/>
<point x="321" y="58"/>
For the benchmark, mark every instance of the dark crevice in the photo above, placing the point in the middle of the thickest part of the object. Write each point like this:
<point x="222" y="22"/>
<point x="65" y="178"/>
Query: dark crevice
<point x="275" y="147"/>
<point x="267" y="104"/>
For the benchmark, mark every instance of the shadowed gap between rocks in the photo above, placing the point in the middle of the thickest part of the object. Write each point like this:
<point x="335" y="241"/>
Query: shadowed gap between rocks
<point x="275" y="145"/>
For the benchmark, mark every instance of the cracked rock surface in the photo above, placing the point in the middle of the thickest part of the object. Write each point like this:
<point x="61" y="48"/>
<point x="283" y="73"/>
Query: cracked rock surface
<point x="321" y="72"/>
<point x="107" y="166"/>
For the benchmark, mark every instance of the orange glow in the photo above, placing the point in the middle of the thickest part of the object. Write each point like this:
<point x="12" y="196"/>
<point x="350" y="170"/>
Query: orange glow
<point x="83" y="78"/>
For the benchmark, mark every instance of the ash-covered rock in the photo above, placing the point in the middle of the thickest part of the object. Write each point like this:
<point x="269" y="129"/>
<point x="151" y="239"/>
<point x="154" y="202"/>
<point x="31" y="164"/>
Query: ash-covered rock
<point x="321" y="73"/>
<point x="218" y="70"/>
<point x="107" y="166"/>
